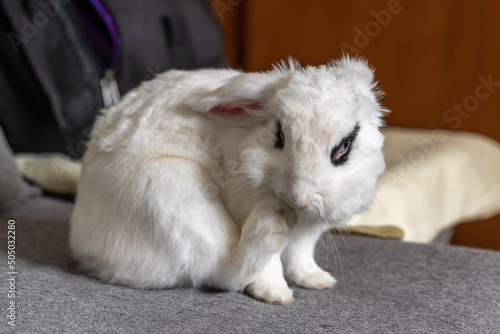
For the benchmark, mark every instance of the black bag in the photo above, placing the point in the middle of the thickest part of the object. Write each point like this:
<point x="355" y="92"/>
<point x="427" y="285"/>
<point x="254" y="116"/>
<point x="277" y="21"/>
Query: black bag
<point x="62" y="61"/>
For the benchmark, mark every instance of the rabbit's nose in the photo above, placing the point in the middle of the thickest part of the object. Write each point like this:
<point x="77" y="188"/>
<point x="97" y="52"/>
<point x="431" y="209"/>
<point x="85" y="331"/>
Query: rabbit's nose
<point x="295" y="200"/>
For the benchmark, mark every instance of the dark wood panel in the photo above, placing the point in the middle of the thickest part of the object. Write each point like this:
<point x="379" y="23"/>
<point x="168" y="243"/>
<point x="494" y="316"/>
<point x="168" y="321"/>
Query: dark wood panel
<point x="480" y="234"/>
<point x="231" y="16"/>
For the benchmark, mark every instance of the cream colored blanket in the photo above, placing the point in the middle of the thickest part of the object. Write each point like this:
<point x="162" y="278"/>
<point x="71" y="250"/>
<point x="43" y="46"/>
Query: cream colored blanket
<point x="434" y="180"/>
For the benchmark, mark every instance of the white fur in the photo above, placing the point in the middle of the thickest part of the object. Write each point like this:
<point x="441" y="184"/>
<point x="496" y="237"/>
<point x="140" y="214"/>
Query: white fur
<point x="174" y="194"/>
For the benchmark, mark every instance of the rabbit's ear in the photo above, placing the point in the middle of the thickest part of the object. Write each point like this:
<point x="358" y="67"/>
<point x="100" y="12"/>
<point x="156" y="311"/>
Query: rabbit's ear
<point x="236" y="108"/>
<point x="241" y="99"/>
<point x="359" y="70"/>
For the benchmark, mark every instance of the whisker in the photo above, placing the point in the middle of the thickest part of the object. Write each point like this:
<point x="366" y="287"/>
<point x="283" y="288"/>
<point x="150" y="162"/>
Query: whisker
<point x="260" y="191"/>
<point x="344" y="230"/>
<point x="337" y="253"/>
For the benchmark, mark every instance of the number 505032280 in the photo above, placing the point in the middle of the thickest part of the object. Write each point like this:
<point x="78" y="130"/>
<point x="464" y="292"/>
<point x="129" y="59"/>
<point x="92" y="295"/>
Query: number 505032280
<point x="11" y="244"/>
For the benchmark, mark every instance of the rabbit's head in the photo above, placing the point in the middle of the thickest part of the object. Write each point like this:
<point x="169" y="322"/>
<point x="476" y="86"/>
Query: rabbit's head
<point x="315" y="136"/>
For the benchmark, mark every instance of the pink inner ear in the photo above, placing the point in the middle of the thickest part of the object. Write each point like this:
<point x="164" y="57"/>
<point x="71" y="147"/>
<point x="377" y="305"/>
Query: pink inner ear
<point x="234" y="109"/>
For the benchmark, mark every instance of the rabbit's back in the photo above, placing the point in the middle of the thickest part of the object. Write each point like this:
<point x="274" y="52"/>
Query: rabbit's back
<point x="145" y="215"/>
<point x="157" y="107"/>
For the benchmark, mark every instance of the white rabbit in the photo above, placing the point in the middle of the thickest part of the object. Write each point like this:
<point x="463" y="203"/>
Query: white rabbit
<point x="225" y="179"/>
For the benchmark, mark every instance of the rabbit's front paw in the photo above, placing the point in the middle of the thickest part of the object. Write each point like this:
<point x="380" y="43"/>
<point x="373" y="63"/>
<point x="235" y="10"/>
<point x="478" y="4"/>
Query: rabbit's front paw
<point x="311" y="277"/>
<point x="270" y="292"/>
<point x="270" y="286"/>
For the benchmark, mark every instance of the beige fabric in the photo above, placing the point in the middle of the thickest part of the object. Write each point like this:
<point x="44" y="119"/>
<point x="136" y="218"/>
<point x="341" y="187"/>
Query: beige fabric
<point x="389" y="232"/>
<point x="52" y="171"/>
<point x="434" y="180"/>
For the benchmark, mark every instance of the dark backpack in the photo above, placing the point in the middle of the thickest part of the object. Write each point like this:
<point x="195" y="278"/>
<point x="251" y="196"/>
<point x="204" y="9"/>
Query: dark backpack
<point x="62" y="61"/>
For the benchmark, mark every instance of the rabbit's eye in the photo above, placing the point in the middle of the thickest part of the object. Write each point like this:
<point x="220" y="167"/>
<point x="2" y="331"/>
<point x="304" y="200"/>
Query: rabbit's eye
<point x="279" y="142"/>
<point x="340" y="153"/>
<point x="341" y="150"/>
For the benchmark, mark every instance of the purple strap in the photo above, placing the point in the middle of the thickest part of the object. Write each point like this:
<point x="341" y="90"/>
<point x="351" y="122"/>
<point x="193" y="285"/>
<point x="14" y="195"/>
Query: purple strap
<point x="107" y="43"/>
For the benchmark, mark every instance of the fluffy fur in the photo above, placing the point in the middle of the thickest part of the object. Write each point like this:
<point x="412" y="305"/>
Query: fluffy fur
<point x="182" y="184"/>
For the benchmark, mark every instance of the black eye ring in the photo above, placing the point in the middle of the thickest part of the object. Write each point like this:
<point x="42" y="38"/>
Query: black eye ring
<point x="279" y="142"/>
<point x="340" y="153"/>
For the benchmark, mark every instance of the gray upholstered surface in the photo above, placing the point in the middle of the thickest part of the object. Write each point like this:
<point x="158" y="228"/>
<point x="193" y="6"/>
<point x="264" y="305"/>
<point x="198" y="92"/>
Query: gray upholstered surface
<point x="12" y="190"/>
<point x="384" y="286"/>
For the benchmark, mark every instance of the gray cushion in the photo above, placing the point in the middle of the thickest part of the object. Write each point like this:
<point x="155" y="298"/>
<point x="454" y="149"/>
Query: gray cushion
<point x="12" y="188"/>
<point x="384" y="287"/>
